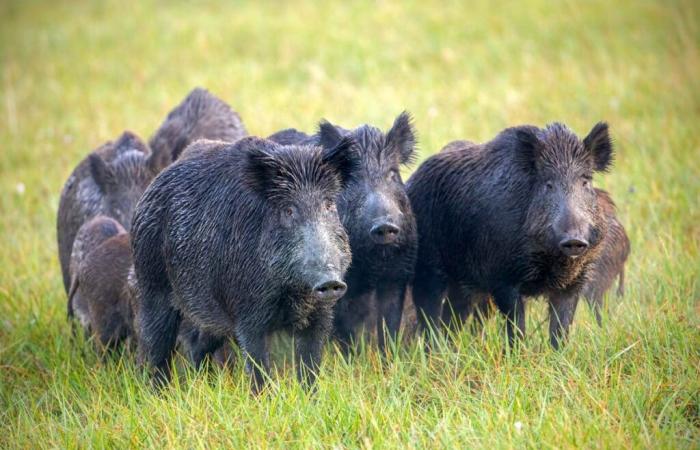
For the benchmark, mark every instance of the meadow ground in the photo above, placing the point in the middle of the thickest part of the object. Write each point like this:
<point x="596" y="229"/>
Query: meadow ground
<point x="77" y="74"/>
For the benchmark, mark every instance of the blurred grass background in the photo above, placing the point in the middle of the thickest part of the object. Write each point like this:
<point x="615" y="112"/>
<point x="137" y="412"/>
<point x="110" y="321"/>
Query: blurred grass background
<point x="75" y="74"/>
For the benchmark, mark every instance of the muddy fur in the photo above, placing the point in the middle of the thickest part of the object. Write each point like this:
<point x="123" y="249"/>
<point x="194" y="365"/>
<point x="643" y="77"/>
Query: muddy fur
<point x="234" y="240"/>
<point x="503" y="218"/>
<point x="200" y="115"/>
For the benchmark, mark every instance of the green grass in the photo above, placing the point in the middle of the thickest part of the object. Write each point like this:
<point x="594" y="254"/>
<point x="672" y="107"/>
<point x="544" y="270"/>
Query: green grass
<point x="77" y="74"/>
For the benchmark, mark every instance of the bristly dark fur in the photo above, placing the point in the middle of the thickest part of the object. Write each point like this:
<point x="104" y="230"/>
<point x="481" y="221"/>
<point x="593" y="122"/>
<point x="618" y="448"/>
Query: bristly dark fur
<point x="109" y="181"/>
<point x="200" y="115"/>
<point x="375" y="195"/>
<point x="287" y="172"/>
<point x="492" y="219"/>
<point x="235" y="240"/>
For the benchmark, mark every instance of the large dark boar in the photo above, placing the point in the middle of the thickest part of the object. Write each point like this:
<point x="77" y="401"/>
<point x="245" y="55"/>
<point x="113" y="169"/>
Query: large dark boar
<point x="109" y="182"/>
<point x="611" y="263"/>
<point x="243" y="240"/>
<point x="515" y="217"/>
<point x="376" y="213"/>
<point x="200" y="115"/>
<point x="99" y="295"/>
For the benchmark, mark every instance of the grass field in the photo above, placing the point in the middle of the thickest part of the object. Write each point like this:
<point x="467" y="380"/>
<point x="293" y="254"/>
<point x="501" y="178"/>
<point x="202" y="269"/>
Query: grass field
<point x="77" y="74"/>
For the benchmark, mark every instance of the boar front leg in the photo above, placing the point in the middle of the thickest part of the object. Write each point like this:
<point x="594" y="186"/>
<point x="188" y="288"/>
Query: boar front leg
<point x="390" y="299"/>
<point x="562" y="308"/>
<point x="309" y="347"/>
<point x="255" y="346"/>
<point x="510" y="302"/>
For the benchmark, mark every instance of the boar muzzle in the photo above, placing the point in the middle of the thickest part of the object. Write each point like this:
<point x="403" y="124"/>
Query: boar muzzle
<point x="384" y="233"/>
<point x="329" y="289"/>
<point x="573" y="247"/>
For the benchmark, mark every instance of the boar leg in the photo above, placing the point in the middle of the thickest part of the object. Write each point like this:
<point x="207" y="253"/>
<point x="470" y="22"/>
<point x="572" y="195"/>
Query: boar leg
<point x="159" y="324"/>
<point x="457" y="307"/>
<point x="595" y="301"/>
<point x="511" y="303"/>
<point x="390" y="299"/>
<point x="255" y="346"/>
<point x="201" y="345"/>
<point x="562" y="308"/>
<point x="308" y="349"/>
<point x="482" y="311"/>
<point x="350" y="312"/>
<point x="429" y="288"/>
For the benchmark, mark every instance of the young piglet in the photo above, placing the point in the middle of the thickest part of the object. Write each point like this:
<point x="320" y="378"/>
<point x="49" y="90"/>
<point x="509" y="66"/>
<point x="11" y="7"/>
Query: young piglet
<point x="611" y="263"/>
<point x="99" y="295"/>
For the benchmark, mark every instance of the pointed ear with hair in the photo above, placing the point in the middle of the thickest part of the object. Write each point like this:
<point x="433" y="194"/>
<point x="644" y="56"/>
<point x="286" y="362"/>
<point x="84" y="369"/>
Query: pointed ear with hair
<point x="529" y="145"/>
<point x="179" y="146"/>
<point x="599" y="144"/>
<point x="130" y="141"/>
<point x="158" y="160"/>
<point x="328" y="135"/>
<point x="101" y="173"/>
<point x="342" y="158"/>
<point x="261" y="168"/>
<point x="402" y="137"/>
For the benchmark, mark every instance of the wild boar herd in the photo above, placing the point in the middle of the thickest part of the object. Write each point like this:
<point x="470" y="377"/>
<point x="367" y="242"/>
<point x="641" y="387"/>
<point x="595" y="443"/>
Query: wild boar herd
<point x="207" y="235"/>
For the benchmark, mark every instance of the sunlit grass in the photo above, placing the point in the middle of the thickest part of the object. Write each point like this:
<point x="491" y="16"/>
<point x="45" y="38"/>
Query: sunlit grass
<point x="76" y="74"/>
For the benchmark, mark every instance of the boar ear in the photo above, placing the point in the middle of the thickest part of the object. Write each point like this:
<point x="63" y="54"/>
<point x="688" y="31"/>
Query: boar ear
<point x="101" y="173"/>
<point x="130" y="141"/>
<point x="178" y="147"/>
<point x="402" y="136"/>
<point x="342" y="158"/>
<point x="261" y="168"/>
<point x="529" y="144"/>
<point x="599" y="144"/>
<point x="328" y="135"/>
<point x="158" y="160"/>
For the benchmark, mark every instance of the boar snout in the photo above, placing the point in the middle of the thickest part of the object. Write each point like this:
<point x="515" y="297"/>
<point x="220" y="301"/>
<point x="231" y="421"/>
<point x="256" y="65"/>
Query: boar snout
<point x="385" y="233"/>
<point x="573" y="247"/>
<point x="384" y="218"/>
<point x="329" y="288"/>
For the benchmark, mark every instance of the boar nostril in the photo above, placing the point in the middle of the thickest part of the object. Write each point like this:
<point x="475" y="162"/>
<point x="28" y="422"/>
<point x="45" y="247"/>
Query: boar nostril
<point x="573" y="247"/>
<point x="330" y="290"/>
<point x="384" y="233"/>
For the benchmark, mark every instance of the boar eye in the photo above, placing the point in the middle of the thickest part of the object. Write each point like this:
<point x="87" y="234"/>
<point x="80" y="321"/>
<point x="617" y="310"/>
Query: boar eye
<point x="393" y="175"/>
<point x="549" y="185"/>
<point x="330" y="205"/>
<point x="586" y="180"/>
<point x="289" y="211"/>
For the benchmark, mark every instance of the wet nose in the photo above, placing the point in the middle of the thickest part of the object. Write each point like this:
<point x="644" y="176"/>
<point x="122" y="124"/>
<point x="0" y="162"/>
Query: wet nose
<point x="330" y="290"/>
<point x="573" y="247"/>
<point x="384" y="233"/>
